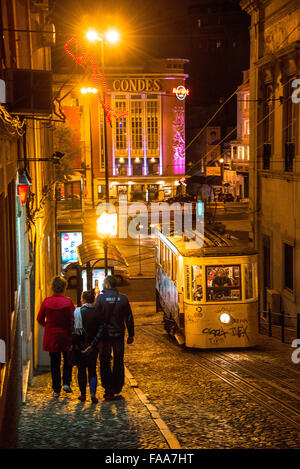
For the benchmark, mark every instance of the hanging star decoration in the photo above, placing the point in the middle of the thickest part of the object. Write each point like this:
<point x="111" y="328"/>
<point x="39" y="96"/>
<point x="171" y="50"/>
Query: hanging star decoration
<point x="87" y="63"/>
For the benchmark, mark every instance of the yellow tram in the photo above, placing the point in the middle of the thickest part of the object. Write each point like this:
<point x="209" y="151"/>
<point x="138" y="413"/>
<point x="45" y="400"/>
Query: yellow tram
<point x="209" y="296"/>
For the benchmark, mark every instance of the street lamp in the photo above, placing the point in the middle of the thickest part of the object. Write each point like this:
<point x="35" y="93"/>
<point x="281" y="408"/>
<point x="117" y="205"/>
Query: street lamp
<point x="106" y="227"/>
<point x="112" y="36"/>
<point x="86" y="91"/>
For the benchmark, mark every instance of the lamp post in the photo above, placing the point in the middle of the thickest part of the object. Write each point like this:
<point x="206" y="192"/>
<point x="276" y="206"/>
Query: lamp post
<point x="86" y="91"/>
<point x="105" y="221"/>
<point x="106" y="227"/>
<point x="111" y="36"/>
<point x="221" y="162"/>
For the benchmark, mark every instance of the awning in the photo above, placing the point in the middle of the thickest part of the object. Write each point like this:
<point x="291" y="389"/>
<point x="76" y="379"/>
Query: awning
<point x="93" y="252"/>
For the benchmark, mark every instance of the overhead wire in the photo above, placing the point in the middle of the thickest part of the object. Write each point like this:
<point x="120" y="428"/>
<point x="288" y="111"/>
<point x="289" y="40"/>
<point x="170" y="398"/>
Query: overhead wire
<point x="282" y="101"/>
<point x="233" y="94"/>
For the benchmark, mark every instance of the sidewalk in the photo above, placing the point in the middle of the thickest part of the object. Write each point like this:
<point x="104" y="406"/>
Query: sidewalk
<point x="66" y="423"/>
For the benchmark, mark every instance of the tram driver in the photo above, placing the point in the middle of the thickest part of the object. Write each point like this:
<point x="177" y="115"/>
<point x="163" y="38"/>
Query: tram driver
<point x="220" y="283"/>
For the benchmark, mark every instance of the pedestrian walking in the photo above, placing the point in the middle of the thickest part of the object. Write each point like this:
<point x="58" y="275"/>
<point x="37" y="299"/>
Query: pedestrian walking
<point x="56" y="316"/>
<point x="115" y="313"/>
<point x="86" y="327"/>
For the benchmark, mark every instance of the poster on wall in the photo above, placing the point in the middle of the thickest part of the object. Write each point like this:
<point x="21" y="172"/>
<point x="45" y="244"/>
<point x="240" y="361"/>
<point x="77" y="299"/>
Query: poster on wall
<point x="98" y="276"/>
<point x="68" y="243"/>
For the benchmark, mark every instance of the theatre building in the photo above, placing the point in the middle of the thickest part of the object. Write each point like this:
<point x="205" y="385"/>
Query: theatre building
<point x="144" y="139"/>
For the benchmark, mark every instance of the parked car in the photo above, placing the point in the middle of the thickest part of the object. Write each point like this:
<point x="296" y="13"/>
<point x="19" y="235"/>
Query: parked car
<point x="122" y="275"/>
<point x="181" y="199"/>
<point x="225" y="197"/>
<point x="70" y="274"/>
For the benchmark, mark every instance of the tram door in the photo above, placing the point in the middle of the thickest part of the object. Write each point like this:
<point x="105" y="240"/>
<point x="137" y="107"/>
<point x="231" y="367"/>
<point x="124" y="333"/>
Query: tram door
<point x="266" y="268"/>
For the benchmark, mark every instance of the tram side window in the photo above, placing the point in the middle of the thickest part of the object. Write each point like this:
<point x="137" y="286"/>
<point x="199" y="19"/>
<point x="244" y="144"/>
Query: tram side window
<point x="197" y="289"/>
<point x="187" y="282"/>
<point x="166" y="260"/>
<point x="249" y="287"/>
<point x="160" y="255"/>
<point x="174" y="268"/>
<point x="169" y="264"/>
<point x="164" y="263"/>
<point x="223" y="283"/>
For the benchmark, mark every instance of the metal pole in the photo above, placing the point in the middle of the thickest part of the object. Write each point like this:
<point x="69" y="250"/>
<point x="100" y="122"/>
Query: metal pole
<point x="105" y="257"/>
<point x="270" y="322"/>
<point x="105" y="158"/>
<point x="89" y="276"/>
<point x="140" y="260"/>
<point x="140" y="263"/>
<point x="105" y="132"/>
<point x="282" y="324"/>
<point x="92" y="158"/>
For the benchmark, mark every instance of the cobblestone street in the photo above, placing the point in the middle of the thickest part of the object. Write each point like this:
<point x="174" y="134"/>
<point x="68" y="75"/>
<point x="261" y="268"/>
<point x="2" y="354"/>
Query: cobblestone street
<point x="166" y="399"/>
<point x="66" y="423"/>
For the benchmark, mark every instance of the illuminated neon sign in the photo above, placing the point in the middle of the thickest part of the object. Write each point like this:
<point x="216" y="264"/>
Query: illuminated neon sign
<point x="181" y="92"/>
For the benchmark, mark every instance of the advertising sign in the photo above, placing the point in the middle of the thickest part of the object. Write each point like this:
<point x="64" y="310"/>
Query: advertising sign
<point x="69" y="242"/>
<point x="213" y="170"/>
<point x="97" y="278"/>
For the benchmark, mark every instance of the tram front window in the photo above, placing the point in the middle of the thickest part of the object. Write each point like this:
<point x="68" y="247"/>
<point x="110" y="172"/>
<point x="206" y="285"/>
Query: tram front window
<point x="223" y="283"/>
<point x="197" y="290"/>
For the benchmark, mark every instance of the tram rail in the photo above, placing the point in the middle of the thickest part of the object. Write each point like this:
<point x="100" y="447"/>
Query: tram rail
<point x="276" y="406"/>
<point x="271" y="380"/>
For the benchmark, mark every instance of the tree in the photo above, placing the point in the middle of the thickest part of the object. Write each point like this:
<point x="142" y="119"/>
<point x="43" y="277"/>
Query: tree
<point x="65" y="141"/>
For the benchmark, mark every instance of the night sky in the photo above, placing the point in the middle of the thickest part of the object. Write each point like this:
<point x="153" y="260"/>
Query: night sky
<point x="167" y="28"/>
<point x="156" y="28"/>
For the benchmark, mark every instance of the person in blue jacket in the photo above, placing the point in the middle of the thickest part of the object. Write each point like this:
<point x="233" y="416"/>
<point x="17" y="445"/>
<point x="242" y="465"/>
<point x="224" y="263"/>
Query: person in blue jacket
<point x="115" y="315"/>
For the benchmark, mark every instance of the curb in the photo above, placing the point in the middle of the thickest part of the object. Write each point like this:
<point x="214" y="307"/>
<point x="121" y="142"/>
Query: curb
<point x="162" y="426"/>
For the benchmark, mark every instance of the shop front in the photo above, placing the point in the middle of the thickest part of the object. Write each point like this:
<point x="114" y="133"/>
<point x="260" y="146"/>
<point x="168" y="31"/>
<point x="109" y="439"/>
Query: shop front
<point x="139" y="190"/>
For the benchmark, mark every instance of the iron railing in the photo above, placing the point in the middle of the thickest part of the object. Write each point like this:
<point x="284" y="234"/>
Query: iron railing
<point x="275" y="325"/>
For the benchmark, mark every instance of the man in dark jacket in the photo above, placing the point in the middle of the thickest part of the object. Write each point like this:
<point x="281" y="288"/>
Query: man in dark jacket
<point x="115" y="313"/>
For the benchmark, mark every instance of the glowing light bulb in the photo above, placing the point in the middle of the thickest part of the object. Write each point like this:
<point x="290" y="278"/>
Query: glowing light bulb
<point x="112" y="36"/>
<point x="92" y="35"/>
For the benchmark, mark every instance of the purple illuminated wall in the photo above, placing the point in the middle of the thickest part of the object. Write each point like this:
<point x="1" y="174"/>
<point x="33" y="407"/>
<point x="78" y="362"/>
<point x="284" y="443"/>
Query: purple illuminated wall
<point x="178" y="144"/>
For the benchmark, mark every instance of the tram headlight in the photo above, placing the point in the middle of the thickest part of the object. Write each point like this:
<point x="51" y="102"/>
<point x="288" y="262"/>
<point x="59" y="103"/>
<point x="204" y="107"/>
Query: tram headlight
<point x="225" y="318"/>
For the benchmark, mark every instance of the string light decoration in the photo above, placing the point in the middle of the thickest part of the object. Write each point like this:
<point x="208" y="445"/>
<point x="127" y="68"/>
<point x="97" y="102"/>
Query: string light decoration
<point x="87" y="63"/>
